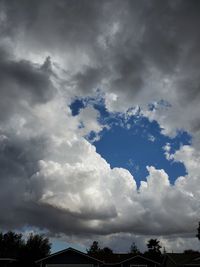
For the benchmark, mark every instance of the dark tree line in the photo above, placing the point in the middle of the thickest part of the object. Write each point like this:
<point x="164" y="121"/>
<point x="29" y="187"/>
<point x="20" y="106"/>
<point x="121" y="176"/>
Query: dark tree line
<point x="153" y="249"/>
<point x="95" y="250"/>
<point x="36" y="246"/>
<point x="25" y="251"/>
<point x="153" y="252"/>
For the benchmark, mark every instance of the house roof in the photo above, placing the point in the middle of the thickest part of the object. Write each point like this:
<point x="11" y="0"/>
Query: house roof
<point x="118" y="258"/>
<point x="7" y="259"/>
<point x="115" y="258"/>
<point x="112" y="258"/>
<point x="142" y="257"/>
<point x="65" y="250"/>
<point x="194" y="261"/>
<point x="184" y="259"/>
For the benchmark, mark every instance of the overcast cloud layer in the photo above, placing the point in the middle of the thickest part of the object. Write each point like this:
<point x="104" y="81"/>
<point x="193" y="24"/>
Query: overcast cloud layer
<point x="136" y="53"/>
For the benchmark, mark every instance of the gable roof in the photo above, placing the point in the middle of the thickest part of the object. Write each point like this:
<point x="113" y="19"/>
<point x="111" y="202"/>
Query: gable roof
<point x="119" y="258"/>
<point x="194" y="261"/>
<point x="139" y="256"/>
<point x="65" y="250"/>
<point x="184" y="259"/>
<point x="7" y="259"/>
<point x="112" y="258"/>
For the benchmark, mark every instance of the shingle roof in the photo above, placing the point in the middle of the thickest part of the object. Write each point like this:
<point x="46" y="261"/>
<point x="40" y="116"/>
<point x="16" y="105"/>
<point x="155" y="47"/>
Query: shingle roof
<point x="7" y="259"/>
<point x="182" y="258"/>
<point x="65" y="250"/>
<point x="116" y="258"/>
<point x="194" y="261"/>
<point x="112" y="258"/>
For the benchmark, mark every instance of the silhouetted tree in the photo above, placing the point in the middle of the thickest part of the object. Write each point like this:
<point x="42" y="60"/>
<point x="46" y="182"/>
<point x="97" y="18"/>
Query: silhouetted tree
<point x="134" y="249"/>
<point x="106" y="251"/>
<point x="154" y="246"/>
<point x="98" y="252"/>
<point x="154" y="251"/>
<point x="36" y="247"/>
<point x="104" y="254"/>
<point x="94" y="248"/>
<point x="26" y="253"/>
<point x="164" y="251"/>
<point x="11" y="245"/>
<point x="190" y="251"/>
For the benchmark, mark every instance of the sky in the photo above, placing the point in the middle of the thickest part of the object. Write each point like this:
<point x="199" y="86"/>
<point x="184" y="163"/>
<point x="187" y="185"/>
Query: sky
<point x="99" y="121"/>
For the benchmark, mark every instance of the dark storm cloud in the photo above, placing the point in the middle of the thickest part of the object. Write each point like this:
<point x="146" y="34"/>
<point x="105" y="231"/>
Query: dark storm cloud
<point x="22" y="81"/>
<point x="19" y="194"/>
<point x="23" y="85"/>
<point x="89" y="78"/>
<point x="54" y="22"/>
<point x="27" y="78"/>
<point x="44" y="217"/>
<point x="150" y="33"/>
<point x="18" y="161"/>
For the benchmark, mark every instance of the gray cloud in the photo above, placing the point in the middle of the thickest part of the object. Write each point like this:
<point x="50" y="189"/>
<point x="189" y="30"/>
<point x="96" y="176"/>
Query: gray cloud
<point x="22" y="82"/>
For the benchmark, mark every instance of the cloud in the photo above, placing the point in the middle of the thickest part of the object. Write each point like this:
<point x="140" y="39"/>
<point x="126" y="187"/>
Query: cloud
<point x="138" y="64"/>
<point x="22" y="78"/>
<point x="122" y="242"/>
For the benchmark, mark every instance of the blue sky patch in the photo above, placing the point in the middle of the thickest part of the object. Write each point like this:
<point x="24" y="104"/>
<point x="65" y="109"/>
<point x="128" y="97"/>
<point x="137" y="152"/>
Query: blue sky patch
<point x="133" y="142"/>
